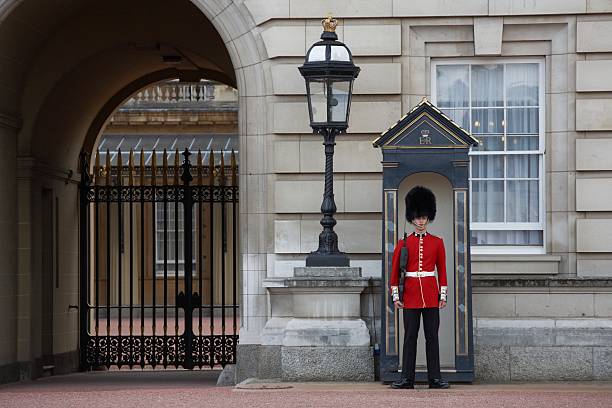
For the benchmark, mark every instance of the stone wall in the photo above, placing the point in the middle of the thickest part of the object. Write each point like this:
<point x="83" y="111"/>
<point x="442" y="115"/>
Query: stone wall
<point x="542" y="329"/>
<point x="395" y="74"/>
<point x="543" y="349"/>
<point x="395" y="46"/>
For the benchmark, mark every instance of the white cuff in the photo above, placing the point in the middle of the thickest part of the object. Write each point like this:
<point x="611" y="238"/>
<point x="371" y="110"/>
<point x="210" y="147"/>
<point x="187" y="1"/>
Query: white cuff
<point x="395" y="293"/>
<point x="443" y="292"/>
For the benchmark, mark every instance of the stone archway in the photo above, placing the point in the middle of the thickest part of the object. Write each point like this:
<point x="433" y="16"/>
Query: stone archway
<point x="66" y="61"/>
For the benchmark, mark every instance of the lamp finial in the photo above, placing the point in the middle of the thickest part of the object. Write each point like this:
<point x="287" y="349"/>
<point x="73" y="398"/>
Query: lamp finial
<point x="329" y="24"/>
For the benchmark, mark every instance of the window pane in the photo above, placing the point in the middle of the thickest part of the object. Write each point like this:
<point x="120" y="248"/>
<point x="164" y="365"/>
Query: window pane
<point x="523" y="166"/>
<point x="159" y="247"/>
<point x="488" y="201"/>
<point x="484" y="238"/>
<point x="523" y="142"/>
<point x="523" y="201"/>
<point x="490" y="143"/>
<point x="522" y="84"/>
<point x="452" y="88"/>
<point x="522" y="120"/>
<point x="171" y="252"/>
<point x="487" y="85"/>
<point x="487" y="121"/>
<point x="460" y="117"/>
<point x="487" y="166"/>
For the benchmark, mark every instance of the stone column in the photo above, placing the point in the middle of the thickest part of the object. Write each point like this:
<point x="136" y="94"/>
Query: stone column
<point x="8" y="249"/>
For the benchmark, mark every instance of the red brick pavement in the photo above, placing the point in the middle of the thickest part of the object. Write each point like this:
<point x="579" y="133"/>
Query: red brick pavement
<point x="197" y="389"/>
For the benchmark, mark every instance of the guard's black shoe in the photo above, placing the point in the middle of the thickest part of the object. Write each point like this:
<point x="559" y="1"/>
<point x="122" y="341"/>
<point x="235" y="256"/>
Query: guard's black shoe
<point x="439" y="383"/>
<point x="403" y="383"/>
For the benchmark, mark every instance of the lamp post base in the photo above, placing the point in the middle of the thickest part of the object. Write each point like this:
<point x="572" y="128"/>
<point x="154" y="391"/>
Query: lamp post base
<point x="327" y="259"/>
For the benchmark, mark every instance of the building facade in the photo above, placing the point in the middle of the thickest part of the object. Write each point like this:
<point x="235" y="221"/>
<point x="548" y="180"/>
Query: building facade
<point x="529" y="79"/>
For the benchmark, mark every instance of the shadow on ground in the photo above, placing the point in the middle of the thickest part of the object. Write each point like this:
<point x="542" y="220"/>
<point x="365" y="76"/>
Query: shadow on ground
<point x="119" y="380"/>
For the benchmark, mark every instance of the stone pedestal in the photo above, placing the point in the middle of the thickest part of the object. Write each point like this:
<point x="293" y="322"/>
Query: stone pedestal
<point x="316" y="332"/>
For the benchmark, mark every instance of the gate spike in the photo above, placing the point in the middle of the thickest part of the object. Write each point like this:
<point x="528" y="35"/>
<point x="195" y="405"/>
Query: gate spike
<point x="119" y="167"/>
<point x="176" y="167"/>
<point x="153" y="167"/>
<point x="142" y="166"/>
<point x="97" y="169"/>
<point x="222" y="170"/>
<point x="131" y="168"/>
<point x="234" y="169"/>
<point x="165" y="167"/>
<point x="211" y="168"/>
<point x="108" y="168"/>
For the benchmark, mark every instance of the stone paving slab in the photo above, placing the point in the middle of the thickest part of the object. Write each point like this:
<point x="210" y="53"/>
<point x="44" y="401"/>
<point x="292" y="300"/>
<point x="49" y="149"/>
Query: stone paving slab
<point x="181" y="388"/>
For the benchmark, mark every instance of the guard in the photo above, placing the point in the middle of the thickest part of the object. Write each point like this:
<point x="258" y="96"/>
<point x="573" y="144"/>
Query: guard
<point x="422" y="293"/>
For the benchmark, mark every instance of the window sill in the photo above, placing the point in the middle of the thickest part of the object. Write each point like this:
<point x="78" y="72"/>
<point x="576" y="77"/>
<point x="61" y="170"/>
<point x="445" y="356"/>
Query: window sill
<point x="506" y="264"/>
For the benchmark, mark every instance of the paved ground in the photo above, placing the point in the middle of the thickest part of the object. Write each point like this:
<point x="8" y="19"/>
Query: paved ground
<point x="197" y="389"/>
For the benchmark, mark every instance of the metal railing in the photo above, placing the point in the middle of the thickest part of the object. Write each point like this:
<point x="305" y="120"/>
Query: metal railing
<point x="132" y="314"/>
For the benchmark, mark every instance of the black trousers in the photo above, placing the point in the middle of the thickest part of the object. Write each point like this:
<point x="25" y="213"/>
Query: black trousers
<point x="431" y="323"/>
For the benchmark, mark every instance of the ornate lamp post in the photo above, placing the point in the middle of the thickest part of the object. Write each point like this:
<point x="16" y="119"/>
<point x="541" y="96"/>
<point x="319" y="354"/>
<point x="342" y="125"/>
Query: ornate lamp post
<point x="329" y="73"/>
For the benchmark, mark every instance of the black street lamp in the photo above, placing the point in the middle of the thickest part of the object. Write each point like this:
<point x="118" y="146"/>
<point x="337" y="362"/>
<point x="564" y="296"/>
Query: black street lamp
<point x="329" y="73"/>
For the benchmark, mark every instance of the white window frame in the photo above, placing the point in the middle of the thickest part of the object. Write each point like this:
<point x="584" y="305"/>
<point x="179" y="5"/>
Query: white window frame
<point x="541" y="225"/>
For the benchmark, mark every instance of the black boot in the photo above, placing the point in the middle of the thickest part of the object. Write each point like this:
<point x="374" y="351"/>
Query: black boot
<point x="439" y="383"/>
<point x="403" y="383"/>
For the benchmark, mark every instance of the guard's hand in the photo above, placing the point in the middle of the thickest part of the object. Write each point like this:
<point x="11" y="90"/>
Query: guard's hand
<point x="442" y="304"/>
<point x="398" y="304"/>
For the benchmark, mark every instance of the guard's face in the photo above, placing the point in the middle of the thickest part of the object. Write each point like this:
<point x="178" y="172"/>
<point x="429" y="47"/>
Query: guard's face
<point x="420" y="222"/>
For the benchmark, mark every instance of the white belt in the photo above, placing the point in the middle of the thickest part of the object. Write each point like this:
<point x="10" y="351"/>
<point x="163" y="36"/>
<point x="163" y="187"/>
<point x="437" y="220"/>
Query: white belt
<point x="421" y="274"/>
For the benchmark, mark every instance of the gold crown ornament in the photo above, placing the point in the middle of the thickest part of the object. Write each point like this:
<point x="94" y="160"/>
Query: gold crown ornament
<point x="329" y="24"/>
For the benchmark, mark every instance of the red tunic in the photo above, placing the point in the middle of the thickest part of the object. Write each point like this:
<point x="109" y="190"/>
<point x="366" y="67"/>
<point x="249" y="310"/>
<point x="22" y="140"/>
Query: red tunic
<point x="421" y="292"/>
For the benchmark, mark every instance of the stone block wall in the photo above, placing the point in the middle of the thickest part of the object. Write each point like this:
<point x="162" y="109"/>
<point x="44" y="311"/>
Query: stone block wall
<point x="396" y="74"/>
<point x="542" y="349"/>
<point x="542" y="329"/>
<point x="395" y="45"/>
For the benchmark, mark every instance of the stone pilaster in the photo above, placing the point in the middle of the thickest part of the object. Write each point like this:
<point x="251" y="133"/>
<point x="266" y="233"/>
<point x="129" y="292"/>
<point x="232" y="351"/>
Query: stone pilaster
<point x="8" y="248"/>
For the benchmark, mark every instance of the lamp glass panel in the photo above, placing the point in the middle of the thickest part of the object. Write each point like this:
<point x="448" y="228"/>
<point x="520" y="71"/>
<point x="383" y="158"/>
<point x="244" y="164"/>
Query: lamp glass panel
<point x="317" y="53"/>
<point x="339" y="53"/>
<point x="318" y="101"/>
<point x="339" y="99"/>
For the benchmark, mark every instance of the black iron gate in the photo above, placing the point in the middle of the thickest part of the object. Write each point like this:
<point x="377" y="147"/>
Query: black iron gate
<point x="158" y="261"/>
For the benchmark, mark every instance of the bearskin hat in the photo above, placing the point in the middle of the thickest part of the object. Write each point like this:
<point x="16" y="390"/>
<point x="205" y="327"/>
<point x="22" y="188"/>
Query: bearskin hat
<point x="420" y="201"/>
